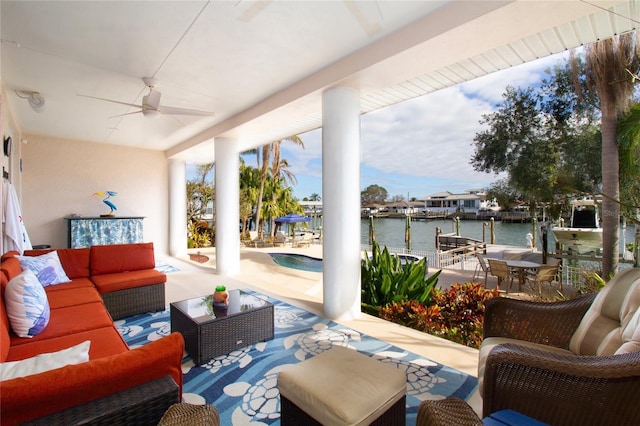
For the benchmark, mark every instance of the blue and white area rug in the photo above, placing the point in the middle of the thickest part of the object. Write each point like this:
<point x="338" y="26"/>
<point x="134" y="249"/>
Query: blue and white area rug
<point x="242" y="385"/>
<point x="163" y="266"/>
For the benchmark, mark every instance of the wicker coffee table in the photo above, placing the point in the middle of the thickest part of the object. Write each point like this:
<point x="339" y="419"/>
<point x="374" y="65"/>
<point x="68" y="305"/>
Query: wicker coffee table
<point x="209" y="332"/>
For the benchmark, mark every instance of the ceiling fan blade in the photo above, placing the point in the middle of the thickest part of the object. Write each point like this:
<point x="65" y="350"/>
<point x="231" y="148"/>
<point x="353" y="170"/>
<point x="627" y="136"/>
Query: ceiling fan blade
<point x="152" y="100"/>
<point x="112" y="101"/>
<point x="128" y="113"/>
<point x="184" y="111"/>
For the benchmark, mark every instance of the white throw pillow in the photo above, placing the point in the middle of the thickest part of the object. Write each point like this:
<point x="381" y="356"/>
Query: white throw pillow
<point x="44" y="362"/>
<point x="47" y="268"/>
<point x="27" y="304"/>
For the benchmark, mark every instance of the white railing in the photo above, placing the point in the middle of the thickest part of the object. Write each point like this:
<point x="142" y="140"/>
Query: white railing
<point x="464" y="259"/>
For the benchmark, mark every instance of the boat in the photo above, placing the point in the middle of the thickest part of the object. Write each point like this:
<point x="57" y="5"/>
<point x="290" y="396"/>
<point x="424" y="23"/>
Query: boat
<point x="584" y="233"/>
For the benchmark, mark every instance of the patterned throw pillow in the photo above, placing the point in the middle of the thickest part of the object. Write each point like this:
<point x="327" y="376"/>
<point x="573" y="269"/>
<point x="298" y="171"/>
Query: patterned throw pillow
<point x="47" y="268"/>
<point x="27" y="305"/>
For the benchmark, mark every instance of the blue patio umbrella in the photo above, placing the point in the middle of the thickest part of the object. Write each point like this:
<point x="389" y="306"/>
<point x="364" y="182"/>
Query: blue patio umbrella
<point x="292" y="218"/>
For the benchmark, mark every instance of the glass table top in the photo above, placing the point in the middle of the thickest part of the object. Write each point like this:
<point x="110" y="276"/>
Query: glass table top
<point x="202" y="309"/>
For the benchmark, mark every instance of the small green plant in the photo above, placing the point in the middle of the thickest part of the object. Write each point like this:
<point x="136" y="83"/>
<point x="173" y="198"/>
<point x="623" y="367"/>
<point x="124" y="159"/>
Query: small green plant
<point x="384" y="280"/>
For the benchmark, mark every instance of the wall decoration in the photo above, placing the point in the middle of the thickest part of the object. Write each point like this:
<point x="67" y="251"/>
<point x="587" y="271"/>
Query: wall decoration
<point x="112" y="206"/>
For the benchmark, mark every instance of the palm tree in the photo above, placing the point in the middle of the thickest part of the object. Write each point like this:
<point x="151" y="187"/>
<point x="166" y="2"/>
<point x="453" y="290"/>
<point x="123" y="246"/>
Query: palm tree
<point x="249" y="179"/>
<point x="608" y="65"/>
<point x="268" y="151"/>
<point x="264" y="172"/>
<point x="279" y="169"/>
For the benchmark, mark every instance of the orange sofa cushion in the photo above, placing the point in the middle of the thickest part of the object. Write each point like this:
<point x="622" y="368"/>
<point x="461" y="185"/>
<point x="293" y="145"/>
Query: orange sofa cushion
<point x="123" y="280"/>
<point x="73" y="284"/>
<point x="70" y="320"/>
<point x="105" y="341"/>
<point x="121" y="258"/>
<point x="10" y="268"/>
<point x="9" y="254"/>
<point x="74" y="261"/>
<point x="5" y="340"/>
<point x="34" y="396"/>
<point x="72" y="297"/>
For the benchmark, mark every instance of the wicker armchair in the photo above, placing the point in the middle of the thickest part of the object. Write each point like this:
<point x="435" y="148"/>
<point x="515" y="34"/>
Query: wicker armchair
<point x="536" y="357"/>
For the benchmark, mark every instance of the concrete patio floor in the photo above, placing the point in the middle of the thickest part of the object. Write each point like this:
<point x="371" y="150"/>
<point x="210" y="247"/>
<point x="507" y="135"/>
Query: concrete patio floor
<point x="304" y="289"/>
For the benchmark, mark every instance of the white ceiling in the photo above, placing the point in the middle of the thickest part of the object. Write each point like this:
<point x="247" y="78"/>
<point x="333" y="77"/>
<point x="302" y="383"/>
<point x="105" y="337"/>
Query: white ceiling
<point x="262" y="66"/>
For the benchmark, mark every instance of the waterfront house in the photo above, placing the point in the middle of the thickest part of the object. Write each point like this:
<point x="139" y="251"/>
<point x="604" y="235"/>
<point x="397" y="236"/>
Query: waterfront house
<point x="472" y="201"/>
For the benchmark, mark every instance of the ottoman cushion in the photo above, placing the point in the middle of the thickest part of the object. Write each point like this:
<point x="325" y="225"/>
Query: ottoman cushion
<point x="342" y="387"/>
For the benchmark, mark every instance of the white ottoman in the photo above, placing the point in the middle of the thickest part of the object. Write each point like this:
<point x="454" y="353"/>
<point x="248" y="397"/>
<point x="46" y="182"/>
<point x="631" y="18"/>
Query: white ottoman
<point x="342" y="387"/>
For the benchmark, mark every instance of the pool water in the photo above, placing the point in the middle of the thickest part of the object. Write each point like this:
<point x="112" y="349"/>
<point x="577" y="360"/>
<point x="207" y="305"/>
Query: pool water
<point x="297" y="261"/>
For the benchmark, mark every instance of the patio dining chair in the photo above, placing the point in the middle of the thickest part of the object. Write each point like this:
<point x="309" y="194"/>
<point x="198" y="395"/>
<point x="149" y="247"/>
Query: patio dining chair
<point x="482" y="266"/>
<point x="544" y="274"/>
<point x="500" y="270"/>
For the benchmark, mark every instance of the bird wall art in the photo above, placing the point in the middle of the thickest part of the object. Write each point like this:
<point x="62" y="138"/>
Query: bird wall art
<point x="108" y="195"/>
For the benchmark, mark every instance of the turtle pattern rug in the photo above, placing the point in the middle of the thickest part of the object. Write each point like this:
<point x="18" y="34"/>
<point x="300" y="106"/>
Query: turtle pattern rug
<point x="242" y="385"/>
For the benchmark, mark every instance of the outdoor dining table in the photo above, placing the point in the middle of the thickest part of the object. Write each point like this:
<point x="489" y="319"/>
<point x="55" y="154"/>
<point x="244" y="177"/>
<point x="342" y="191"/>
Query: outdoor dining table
<point x="521" y="266"/>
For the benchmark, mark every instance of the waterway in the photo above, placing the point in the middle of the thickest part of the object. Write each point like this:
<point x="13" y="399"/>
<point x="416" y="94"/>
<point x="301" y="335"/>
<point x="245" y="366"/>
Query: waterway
<point x="390" y="232"/>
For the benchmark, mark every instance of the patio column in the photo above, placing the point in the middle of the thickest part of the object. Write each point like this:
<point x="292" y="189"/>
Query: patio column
<point x="177" y="207"/>
<point x="227" y="180"/>
<point x="341" y="202"/>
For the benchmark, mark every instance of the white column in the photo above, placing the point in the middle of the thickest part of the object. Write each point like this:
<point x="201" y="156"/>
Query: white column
<point x="341" y="202"/>
<point x="177" y="208"/>
<point x="227" y="206"/>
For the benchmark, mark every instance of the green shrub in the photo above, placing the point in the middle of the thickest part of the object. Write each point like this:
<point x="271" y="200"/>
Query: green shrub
<point x="384" y="280"/>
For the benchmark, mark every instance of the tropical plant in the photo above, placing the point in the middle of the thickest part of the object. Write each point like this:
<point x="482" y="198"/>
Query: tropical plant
<point x="384" y="280"/>
<point x="456" y="314"/>
<point x="199" y="234"/>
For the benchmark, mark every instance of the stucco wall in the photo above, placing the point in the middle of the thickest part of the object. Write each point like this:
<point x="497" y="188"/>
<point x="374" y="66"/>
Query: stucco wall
<point x="60" y="176"/>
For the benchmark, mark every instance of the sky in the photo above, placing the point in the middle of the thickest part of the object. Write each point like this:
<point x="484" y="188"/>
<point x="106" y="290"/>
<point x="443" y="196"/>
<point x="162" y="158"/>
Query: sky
<point x="422" y="146"/>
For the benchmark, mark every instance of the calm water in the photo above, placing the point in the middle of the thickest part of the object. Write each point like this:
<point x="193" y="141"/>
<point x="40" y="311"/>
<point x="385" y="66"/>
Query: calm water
<point x="390" y="232"/>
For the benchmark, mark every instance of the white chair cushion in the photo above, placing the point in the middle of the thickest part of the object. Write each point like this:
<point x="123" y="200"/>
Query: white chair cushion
<point x="612" y="320"/>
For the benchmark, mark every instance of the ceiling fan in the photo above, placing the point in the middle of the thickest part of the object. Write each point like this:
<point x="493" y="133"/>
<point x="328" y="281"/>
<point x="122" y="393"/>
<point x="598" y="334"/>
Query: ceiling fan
<point x="151" y="104"/>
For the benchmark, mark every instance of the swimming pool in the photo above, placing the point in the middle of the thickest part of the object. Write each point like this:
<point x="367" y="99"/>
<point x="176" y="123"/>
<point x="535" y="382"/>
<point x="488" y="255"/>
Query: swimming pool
<point x="297" y="261"/>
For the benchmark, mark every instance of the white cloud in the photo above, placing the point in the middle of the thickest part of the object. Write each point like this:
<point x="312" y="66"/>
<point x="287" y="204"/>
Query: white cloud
<point x="429" y="138"/>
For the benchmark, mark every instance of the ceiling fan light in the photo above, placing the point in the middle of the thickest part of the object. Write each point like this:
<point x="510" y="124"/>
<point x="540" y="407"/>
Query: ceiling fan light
<point x="36" y="101"/>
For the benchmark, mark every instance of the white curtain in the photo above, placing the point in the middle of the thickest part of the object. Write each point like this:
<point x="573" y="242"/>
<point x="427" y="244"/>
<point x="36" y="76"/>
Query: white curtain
<point x="14" y="233"/>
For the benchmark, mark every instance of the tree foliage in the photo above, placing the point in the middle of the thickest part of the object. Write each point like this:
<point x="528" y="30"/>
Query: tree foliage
<point x="200" y="194"/>
<point x="533" y="136"/>
<point x="373" y="194"/>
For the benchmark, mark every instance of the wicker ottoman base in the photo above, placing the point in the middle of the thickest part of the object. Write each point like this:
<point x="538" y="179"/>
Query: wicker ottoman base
<point x="342" y="387"/>
<point x="291" y="414"/>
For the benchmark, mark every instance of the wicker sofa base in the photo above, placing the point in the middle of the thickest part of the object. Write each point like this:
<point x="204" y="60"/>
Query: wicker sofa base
<point x="133" y="301"/>
<point x="141" y="405"/>
<point x="291" y="414"/>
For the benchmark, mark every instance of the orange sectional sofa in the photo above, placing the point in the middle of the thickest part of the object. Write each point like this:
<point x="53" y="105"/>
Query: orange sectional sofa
<point x="117" y="384"/>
